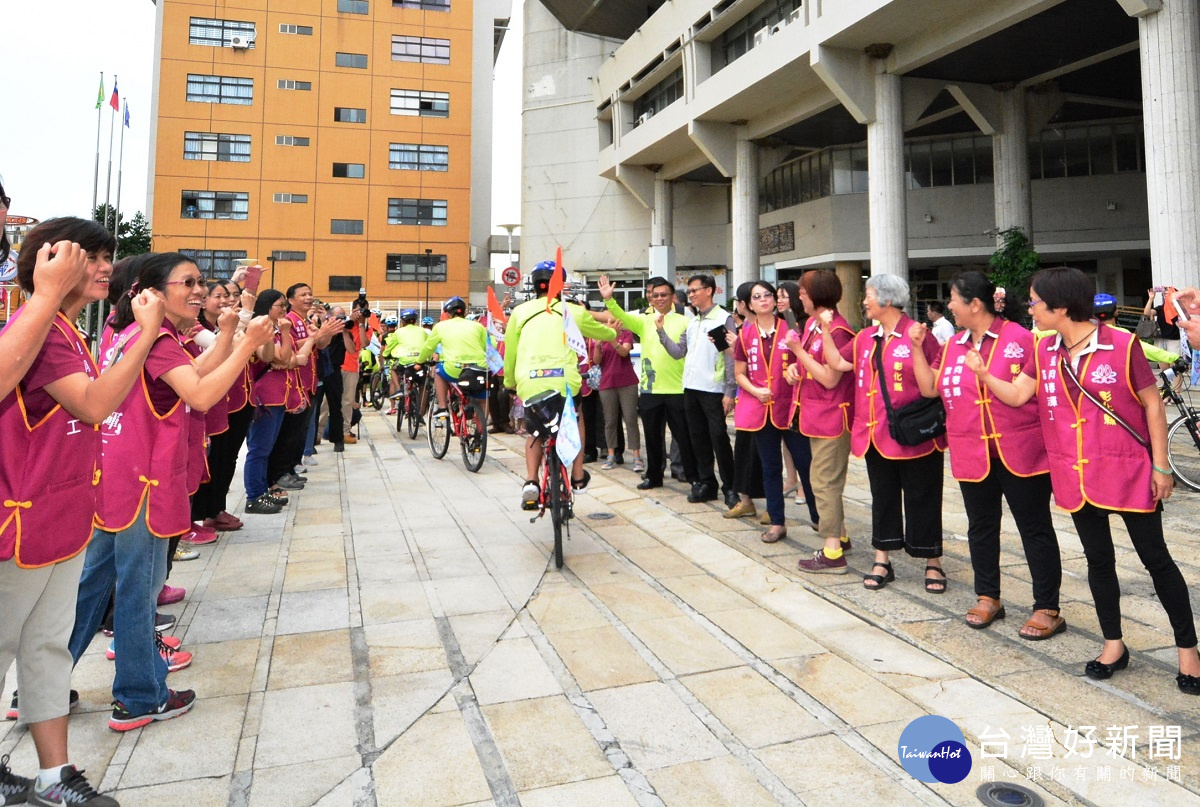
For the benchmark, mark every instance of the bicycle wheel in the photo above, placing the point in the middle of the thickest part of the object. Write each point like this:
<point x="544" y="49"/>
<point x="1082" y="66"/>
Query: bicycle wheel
<point x="473" y="438"/>
<point x="377" y="390"/>
<point x="439" y="435"/>
<point x="554" y="481"/>
<point x="1183" y="450"/>
<point x="412" y="407"/>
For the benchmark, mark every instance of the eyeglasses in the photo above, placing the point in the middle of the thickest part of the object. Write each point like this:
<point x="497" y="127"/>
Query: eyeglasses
<point x="190" y="282"/>
<point x="762" y="295"/>
<point x="695" y="290"/>
<point x="1034" y="303"/>
<point x="664" y="295"/>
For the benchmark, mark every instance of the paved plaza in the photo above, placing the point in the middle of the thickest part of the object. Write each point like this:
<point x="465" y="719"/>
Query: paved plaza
<point x="397" y="636"/>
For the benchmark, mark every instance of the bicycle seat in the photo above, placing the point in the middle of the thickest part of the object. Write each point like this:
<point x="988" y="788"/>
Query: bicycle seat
<point x="543" y="412"/>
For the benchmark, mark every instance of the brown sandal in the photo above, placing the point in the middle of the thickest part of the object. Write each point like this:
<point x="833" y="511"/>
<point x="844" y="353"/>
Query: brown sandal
<point x="986" y="611"/>
<point x="771" y="536"/>
<point x="1045" y="623"/>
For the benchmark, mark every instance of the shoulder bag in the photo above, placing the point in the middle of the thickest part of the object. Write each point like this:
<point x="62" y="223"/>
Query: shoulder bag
<point x="914" y="423"/>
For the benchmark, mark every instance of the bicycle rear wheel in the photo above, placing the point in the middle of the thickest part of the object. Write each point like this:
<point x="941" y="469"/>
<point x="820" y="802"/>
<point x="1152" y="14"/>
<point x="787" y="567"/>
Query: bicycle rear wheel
<point x="412" y="409"/>
<point x="1183" y="450"/>
<point x="378" y="390"/>
<point x="474" y="437"/>
<point x="439" y="435"/>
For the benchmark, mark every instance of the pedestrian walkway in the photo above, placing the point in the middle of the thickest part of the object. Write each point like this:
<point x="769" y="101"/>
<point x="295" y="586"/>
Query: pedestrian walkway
<point x="397" y="636"/>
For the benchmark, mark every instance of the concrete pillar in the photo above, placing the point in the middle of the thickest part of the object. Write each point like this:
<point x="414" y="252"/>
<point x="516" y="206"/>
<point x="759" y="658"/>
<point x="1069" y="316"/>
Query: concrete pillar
<point x="885" y="166"/>
<point x="850" y="273"/>
<point x="1010" y="164"/>
<point x="745" y="214"/>
<point x="662" y="216"/>
<point x="1170" y="54"/>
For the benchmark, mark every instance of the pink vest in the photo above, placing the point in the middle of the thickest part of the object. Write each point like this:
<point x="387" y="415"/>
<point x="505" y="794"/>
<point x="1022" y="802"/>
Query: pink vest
<point x="197" y="436"/>
<point x="870" y="414"/>
<point x="749" y="413"/>
<point x="306" y="374"/>
<point x="973" y="416"/>
<point x="824" y="412"/>
<point x="144" y="456"/>
<point x="49" y="471"/>
<point x="270" y="388"/>
<point x="1092" y="457"/>
<point x="238" y="397"/>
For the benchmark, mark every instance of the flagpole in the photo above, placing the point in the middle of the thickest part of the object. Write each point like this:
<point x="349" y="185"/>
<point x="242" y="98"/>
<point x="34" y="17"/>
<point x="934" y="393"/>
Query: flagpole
<point x="120" y="168"/>
<point x="96" y="175"/>
<point x="108" y="181"/>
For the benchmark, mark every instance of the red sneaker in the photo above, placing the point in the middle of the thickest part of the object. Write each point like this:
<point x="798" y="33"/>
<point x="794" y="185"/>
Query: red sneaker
<point x="199" y="538"/>
<point x="171" y="594"/>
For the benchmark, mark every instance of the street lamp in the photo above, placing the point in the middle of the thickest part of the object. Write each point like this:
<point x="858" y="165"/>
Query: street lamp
<point x="509" y="229"/>
<point x="428" y="272"/>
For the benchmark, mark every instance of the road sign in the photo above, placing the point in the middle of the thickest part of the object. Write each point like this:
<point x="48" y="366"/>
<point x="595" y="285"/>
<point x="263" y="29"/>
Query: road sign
<point x="511" y="276"/>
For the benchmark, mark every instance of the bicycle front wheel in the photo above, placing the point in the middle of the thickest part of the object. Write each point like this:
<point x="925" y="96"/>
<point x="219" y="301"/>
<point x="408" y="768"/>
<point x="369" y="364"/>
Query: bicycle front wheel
<point x="558" y="502"/>
<point x="474" y="437"/>
<point x="377" y="390"/>
<point x="439" y="435"/>
<point x="1183" y="450"/>
<point x="412" y="407"/>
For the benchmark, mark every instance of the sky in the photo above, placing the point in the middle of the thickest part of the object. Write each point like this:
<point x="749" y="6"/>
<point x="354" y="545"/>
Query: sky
<point x="55" y="51"/>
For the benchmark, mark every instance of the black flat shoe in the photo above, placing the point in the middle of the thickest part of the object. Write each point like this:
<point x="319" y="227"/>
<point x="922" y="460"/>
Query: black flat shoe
<point x="1188" y="684"/>
<point x="646" y="484"/>
<point x="1099" y="671"/>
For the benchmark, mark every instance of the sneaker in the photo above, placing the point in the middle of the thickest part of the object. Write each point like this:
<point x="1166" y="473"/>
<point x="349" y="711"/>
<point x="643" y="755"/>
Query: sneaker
<point x="13" y="713"/>
<point x="391" y="412"/>
<point x="227" y="522"/>
<point x="264" y="505"/>
<point x="171" y="642"/>
<point x="162" y="622"/>
<point x="199" y="538"/>
<point x="176" y="659"/>
<point x="182" y="554"/>
<point x="441" y="413"/>
<point x="820" y="564"/>
<point x="529" y="496"/>
<point x="288" y="482"/>
<point x="72" y="788"/>
<point x="171" y="594"/>
<point x="299" y="469"/>
<point x="580" y="485"/>
<point x="311" y="460"/>
<point x="178" y="703"/>
<point x="349" y="439"/>
<point x="13" y="789"/>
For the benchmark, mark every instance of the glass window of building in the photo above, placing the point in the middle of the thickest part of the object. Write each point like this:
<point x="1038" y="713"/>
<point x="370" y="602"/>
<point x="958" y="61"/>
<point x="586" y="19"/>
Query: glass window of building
<point x="220" y="89"/>
<point x="665" y="93"/>
<point x="346" y="227"/>
<point x="423" y="5"/>
<point x="430" y="212"/>
<point x="216" y="264"/>
<point x="429" y="50"/>
<point x="302" y="30"/>
<point x="342" y="114"/>
<point x="290" y="140"/>
<point x="418" y="157"/>
<point x="420" y="102"/>
<point x="226" y="148"/>
<point x="290" y="84"/>
<point x="744" y="35"/>
<point x="291" y="198"/>
<point x="349" y="170"/>
<point x="357" y="60"/>
<point x="354" y="7"/>
<point x="345" y="282"/>
<point x="214" y="205"/>
<point x="220" y="33"/>
<point x="411" y="267"/>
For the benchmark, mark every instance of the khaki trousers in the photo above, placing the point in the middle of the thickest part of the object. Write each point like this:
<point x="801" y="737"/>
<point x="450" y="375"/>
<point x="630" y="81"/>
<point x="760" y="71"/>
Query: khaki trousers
<point x="830" y="460"/>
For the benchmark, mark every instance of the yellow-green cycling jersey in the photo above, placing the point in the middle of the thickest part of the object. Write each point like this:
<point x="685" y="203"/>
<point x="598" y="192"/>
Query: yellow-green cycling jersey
<point x="462" y="342"/>
<point x="661" y="373"/>
<point x="404" y="344"/>
<point x="536" y="356"/>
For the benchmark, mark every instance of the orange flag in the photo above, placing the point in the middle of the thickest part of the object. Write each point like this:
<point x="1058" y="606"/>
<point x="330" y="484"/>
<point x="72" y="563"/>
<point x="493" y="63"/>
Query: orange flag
<point x="495" y="310"/>
<point x="375" y="324"/>
<point x="556" y="281"/>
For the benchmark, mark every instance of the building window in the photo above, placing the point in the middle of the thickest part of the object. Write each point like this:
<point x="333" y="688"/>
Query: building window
<point x="420" y="102"/>
<point x="401" y="268"/>
<point x="354" y="7"/>
<point x="349" y="170"/>
<point x="216" y="264"/>
<point x="290" y="140"/>
<point x="358" y="60"/>
<point x="226" y="148"/>
<point x="220" y="33"/>
<point x="749" y="32"/>
<point x="214" y="205"/>
<point x="418" y="157"/>
<point x="423" y="5"/>
<point x="289" y="84"/>
<point x="220" y="89"/>
<point x="346" y="227"/>
<point x="665" y="93"/>
<point x="302" y="30"/>
<point x="420" y="49"/>
<point x="1087" y="150"/>
<point x="288" y="255"/>
<point x="417" y="211"/>
<point x="291" y="199"/>
<point x="344" y="114"/>
<point x="345" y="283"/>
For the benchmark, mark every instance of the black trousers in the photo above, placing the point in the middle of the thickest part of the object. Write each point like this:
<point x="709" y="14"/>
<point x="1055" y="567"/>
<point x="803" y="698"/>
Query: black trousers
<point x="1029" y="502"/>
<point x="223" y="450"/>
<point x="747" y="468"/>
<point x="658" y="412"/>
<point x="333" y="399"/>
<point x="1146" y="534"/>
<point x="710" y="437"/>
<point x="499" y="403"/>
<point x="289" y="446"/>
<point x="917" y="526"/>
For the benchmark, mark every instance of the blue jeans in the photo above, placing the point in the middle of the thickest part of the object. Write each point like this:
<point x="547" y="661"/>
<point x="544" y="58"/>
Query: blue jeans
<point x="264" y="431"/>
<point x="314" y="413"/>
<point x="136" y="561"/>
<point x="771" y="457"/>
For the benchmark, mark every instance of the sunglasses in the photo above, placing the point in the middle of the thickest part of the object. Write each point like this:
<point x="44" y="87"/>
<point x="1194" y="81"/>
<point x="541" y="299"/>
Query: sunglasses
<point x="191" y="282"/>
<point x="762" y="296"/>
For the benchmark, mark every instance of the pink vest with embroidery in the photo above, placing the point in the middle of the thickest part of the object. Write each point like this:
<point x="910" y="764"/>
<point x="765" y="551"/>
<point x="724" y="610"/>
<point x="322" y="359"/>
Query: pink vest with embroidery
<point x="197" y="436"/>
<point x="1092" y="457"/>
<point x="974" y="416"/>
<point x="749" y="413"/>
<point x="49" y="470"/>
<point x="306" y="374"/>
<point x="870" y="414"/>
<point x="824" y="412"/>
<point x="297" y="394"/>
<point x="238" y="397"/>
<point x="144" y="456"/>
<point x="270" y="388"/>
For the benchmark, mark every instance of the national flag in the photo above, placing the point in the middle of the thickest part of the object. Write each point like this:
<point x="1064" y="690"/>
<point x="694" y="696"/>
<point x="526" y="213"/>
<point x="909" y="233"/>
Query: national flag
<point x="556" y="280"/>
<point x="568" y="445"/>
<point x="127" y="114"/>
<point x="572" y="335"/>
<point x="114" y="101"/>
<point x="100" y="95"/>
<point x="494" y="308"/>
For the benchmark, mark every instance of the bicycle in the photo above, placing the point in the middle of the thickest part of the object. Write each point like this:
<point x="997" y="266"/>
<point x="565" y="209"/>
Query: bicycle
<point x="543" y="414"/>
<point x="465" y="417"/>
<point x="1183" y="434"/>
<point x="377" y="387"/>
<point x="415" y="392"/>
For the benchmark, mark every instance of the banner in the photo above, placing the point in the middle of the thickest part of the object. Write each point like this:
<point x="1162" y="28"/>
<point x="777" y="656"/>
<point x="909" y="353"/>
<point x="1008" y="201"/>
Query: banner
<point x="572" y="335"/>
<point x="568" y="445"/>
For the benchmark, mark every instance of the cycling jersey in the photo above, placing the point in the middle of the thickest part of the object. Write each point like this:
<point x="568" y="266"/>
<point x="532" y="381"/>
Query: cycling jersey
<point x="536" y="357"/>
<point x="404" y="344"/>
<point x="661" y="374"/>
<point x="462" y="342"/>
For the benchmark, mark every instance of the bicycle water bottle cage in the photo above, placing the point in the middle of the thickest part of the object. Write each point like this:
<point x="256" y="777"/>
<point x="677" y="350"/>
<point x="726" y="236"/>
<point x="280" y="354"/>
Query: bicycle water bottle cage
<point x="543" y="413"/>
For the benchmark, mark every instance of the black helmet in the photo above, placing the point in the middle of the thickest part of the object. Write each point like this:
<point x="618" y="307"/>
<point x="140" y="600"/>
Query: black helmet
<point x="455" y="305"/>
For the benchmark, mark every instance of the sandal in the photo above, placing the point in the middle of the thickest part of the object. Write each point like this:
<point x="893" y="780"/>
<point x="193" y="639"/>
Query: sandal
<point x="608" y="465"/>
<point x="1042" y="624"/>
<point x="880" y="580"/>
<point x="986" y="611"/>
<point x="771" y="536"/>
<point x="930" y="582"/>
<point x="638" y="466"/>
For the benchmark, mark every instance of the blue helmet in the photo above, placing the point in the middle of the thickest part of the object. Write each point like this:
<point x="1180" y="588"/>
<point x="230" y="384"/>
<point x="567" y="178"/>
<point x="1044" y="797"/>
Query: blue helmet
<point x="1104" y="306"/>
<point x="409" y="315"/>
<point x="455" y="304"/>
<point x="541" y="274"/>
<point x="391" y="322"/>
<point x="428" y="322"/>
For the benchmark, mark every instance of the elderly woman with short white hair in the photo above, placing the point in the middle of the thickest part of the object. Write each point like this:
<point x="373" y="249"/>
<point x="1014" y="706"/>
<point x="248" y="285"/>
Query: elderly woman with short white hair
<point x="906" y="480"/>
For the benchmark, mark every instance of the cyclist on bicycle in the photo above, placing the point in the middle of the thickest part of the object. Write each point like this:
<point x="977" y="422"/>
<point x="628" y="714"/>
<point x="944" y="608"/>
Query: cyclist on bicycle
<point x="1104" y="307"/>
<point x="401" y="349"/>
<point x="463" y="343"/>
<point x="537" y="359"/>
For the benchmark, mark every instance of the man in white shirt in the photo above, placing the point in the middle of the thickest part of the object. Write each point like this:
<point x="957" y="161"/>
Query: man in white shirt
<point x="941" y="327"/>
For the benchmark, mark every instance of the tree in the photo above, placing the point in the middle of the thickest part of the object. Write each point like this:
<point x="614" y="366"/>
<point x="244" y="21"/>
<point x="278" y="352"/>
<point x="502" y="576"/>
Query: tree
<point x="133" y="234"/>
<point x="1013" y="263"/>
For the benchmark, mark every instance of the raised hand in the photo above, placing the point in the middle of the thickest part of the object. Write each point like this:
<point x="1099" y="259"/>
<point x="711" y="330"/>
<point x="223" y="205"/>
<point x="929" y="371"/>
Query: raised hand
<point x="260" y="331"/>
<point x="285" y="324"/>
<point x="148" y="311"/>
<point x="826" y="318"/>
<point x="605" y="286"/>
<point x="332" y="327"/>
<point x="658" y="320"/>
<point x="58" y="269"/>
<point x="916" y="333"/>
<point x="975" y="362"/>
<point x="227" y="320"/>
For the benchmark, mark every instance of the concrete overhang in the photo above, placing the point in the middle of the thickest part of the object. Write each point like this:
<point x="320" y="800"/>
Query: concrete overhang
<point x="614" y="19"/>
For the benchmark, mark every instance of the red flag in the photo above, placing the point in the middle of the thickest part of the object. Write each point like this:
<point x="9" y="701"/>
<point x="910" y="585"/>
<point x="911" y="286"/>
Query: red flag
<point x="556" y="280"/>
<point x="375" y="324"/>
<point x="495" y="310"/>
<point x="113" y="101"/>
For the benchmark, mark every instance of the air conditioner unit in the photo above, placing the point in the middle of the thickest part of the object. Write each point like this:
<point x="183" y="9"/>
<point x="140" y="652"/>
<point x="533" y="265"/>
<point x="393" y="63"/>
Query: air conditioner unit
<point x="761" y="36"/>
<point x="645" y="116"/>
<point x="779" y="26"/>
<point x="239" y="42"/>
<point x="795" y="15"/>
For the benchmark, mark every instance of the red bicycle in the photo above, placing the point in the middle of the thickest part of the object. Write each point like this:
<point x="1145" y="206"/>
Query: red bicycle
<point x="543" y="415"/>
<point x="465" y="417"/>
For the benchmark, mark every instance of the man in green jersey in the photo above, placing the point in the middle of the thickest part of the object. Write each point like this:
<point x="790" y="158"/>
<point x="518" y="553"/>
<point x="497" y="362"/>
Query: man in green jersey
<point x="402" y="347"/>
<point x="462" y="342"/>
<point x="660" y="393"/>
<point x="537" y="359"/>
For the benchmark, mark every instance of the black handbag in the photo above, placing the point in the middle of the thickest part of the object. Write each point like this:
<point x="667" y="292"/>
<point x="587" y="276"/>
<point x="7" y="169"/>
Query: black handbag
<point x="914" y="423"/>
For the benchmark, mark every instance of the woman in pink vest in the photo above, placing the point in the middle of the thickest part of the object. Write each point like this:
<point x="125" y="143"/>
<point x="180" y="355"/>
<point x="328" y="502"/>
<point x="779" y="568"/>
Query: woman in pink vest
<point x="908" y="474"/>
<point x="824" y="409"/>
<point x="996" y="452"/>
<point x="270" y="394"/>
<point x="764" y="405"/>
<point x="143" y="490"/>
<point x="48" y="476"/>
<point x="1106" y="438"/>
